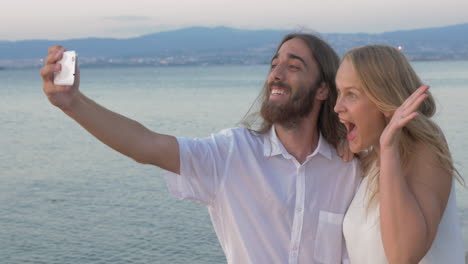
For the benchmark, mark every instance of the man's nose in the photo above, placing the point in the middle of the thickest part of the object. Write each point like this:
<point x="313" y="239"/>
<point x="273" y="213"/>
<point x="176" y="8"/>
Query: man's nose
<point x="277" y="73"/>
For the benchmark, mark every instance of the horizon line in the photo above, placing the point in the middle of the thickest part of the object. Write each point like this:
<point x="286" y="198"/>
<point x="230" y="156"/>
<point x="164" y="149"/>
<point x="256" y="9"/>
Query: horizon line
<point x="304" y="29"/>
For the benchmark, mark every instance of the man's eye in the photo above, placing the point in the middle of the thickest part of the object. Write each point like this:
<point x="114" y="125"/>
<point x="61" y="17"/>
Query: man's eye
<point x="294" y="67"/>
<point x="273" y="66"/>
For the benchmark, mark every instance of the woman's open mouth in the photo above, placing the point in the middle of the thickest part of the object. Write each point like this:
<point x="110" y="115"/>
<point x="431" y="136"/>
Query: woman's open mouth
<point x="350" y="128"/>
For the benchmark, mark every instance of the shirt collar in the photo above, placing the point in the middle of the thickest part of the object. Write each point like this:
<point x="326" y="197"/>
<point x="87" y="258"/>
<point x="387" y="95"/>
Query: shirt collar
<point x="273" y="146"/>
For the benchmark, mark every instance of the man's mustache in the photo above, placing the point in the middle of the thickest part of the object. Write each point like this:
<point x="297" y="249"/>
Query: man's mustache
<point x="280" y="85"/>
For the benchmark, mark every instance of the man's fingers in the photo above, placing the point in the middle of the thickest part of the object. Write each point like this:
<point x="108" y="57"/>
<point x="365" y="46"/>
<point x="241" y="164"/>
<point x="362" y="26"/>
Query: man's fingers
<point x="54" y="49"/>
<point x="62" y="89"/>
<point x="55" y="53"/>
<point x="47" y="72"/>
<point x="50" y="90"/>
<point x="52" y="58"/>
<point x="340" y="151"/>
<point x="349" y="155"/>
<point x="344" y="151"/>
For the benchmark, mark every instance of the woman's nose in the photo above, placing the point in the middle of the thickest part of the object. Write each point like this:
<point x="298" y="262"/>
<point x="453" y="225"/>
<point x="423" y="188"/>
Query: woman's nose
<point x="338" y="106"/>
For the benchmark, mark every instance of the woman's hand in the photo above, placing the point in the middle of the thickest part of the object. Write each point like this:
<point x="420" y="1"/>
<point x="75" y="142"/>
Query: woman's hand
<point x="401" y="117"/>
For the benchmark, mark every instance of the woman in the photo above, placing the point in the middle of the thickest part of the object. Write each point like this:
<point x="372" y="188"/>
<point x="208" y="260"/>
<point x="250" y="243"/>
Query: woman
<point x="404" y="210"/>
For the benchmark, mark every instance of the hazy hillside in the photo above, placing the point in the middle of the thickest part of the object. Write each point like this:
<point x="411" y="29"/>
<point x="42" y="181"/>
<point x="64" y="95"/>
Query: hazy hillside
<point x="431" y="43"/>
<point x="222" y="45"/>
<point x="183" y="41"/>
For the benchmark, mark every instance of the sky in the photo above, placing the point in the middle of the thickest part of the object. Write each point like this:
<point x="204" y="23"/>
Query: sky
<point x="58" y="20"/>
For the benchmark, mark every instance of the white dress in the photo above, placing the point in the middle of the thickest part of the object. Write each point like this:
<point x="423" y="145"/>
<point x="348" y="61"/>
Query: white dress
<point x="361" y="229"/>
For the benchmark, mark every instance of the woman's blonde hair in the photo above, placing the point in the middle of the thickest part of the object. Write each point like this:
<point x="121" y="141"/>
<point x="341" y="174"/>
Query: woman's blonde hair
<point x="388" y="79"/>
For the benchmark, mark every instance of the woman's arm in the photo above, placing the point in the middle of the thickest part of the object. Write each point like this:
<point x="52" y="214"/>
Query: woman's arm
<point x="412" y="201"/>
<point x="411" y="204"/>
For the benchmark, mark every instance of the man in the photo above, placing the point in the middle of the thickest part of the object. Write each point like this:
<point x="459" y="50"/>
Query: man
<point x="275" y="195"/>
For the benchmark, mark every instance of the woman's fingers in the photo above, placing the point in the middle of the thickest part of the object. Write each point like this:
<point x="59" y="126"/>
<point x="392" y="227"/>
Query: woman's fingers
<point x="412" y="103"/>
<point x="415" y="95"/>
<point x="408" y="105"/>
<point x="406" y="119"/>
<point x="416" y="103"/>
<point x="406" y="110"/>
<point x="403" y="115"/>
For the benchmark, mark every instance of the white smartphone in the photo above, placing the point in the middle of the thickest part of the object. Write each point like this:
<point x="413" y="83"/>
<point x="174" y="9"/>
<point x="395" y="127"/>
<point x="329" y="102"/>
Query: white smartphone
<point x="67" y="75"/>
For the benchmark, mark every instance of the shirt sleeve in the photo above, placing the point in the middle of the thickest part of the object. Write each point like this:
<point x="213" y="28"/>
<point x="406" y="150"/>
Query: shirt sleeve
<point x="344" y="254"/>
<point x="357" y="175"/>
<point x="202" y="167"/>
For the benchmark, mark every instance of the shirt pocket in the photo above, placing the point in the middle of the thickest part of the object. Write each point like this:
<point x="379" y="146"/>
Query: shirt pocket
<point x="328" y="242"/>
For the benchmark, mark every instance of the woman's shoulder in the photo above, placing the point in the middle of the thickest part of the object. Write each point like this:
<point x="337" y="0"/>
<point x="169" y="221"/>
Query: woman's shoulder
<point x="426" y="176"/>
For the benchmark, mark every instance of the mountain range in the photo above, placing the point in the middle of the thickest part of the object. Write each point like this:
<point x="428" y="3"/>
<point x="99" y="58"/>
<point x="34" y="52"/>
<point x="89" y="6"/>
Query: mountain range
<point x="223" y="45"/>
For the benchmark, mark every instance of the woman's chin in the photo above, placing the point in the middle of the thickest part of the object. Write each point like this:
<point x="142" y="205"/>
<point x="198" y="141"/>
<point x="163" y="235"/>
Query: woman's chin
<point x="356" y="148"/>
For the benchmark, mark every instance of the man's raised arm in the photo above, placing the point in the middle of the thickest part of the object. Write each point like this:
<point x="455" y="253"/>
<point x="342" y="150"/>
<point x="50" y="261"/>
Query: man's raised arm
<point x="118" y="132"/>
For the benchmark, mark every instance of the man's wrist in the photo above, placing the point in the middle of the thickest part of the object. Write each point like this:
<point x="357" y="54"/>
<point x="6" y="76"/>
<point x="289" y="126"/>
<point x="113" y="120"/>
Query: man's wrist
<point x="76" y="100"/>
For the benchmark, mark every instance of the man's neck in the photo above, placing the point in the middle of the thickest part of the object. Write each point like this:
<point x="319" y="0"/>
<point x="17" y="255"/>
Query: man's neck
<point x="300" y="140"/>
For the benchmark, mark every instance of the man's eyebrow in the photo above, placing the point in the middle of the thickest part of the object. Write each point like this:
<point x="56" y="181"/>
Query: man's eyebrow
<point x="274" y="57"/>
<point x="291" y="56"/>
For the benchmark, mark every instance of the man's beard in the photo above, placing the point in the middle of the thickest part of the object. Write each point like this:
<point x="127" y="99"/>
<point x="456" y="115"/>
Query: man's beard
<point x="297" y="107"/>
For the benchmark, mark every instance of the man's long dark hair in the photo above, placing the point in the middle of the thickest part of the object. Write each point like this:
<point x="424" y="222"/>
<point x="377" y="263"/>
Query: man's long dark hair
<point x="327" y="61"/>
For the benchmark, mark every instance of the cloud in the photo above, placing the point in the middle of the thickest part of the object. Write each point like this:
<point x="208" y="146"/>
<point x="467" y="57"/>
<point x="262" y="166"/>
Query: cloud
<point x="128" y="18"/>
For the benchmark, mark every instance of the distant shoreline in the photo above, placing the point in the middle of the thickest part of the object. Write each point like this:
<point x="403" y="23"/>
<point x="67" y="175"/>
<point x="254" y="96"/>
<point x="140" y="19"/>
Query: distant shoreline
<point x="22" y="66"/>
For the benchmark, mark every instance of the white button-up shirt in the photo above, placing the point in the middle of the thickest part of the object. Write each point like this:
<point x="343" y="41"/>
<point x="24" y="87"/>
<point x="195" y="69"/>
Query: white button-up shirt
<point x="265" y="206"/>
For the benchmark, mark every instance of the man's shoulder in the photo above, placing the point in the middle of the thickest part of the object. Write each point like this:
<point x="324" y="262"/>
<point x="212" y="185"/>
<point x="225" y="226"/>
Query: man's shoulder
<point x="239" y="132"/>
<point x="353" y="169"/>
<point x="336" y="158"/>
<point x="349" y="167"/>
<point x="240" y="138"/>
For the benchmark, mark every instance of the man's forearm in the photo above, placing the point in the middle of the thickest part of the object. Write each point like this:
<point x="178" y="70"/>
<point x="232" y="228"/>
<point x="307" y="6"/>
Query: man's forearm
<point x="123" y="134"/>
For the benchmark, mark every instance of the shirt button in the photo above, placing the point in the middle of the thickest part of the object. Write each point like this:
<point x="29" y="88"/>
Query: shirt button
<point x="299" y="209"/>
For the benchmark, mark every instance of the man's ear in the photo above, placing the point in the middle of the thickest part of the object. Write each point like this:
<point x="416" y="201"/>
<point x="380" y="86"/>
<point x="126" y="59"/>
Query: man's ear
<point x="322" y="92"/>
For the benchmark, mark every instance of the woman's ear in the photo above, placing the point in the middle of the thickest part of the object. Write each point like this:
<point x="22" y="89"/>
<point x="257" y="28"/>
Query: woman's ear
<point x="388" y="114"/>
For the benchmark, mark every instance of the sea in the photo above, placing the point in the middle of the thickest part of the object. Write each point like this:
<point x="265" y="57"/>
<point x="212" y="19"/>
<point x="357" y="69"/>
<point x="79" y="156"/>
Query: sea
<point x="67" y="198"/>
